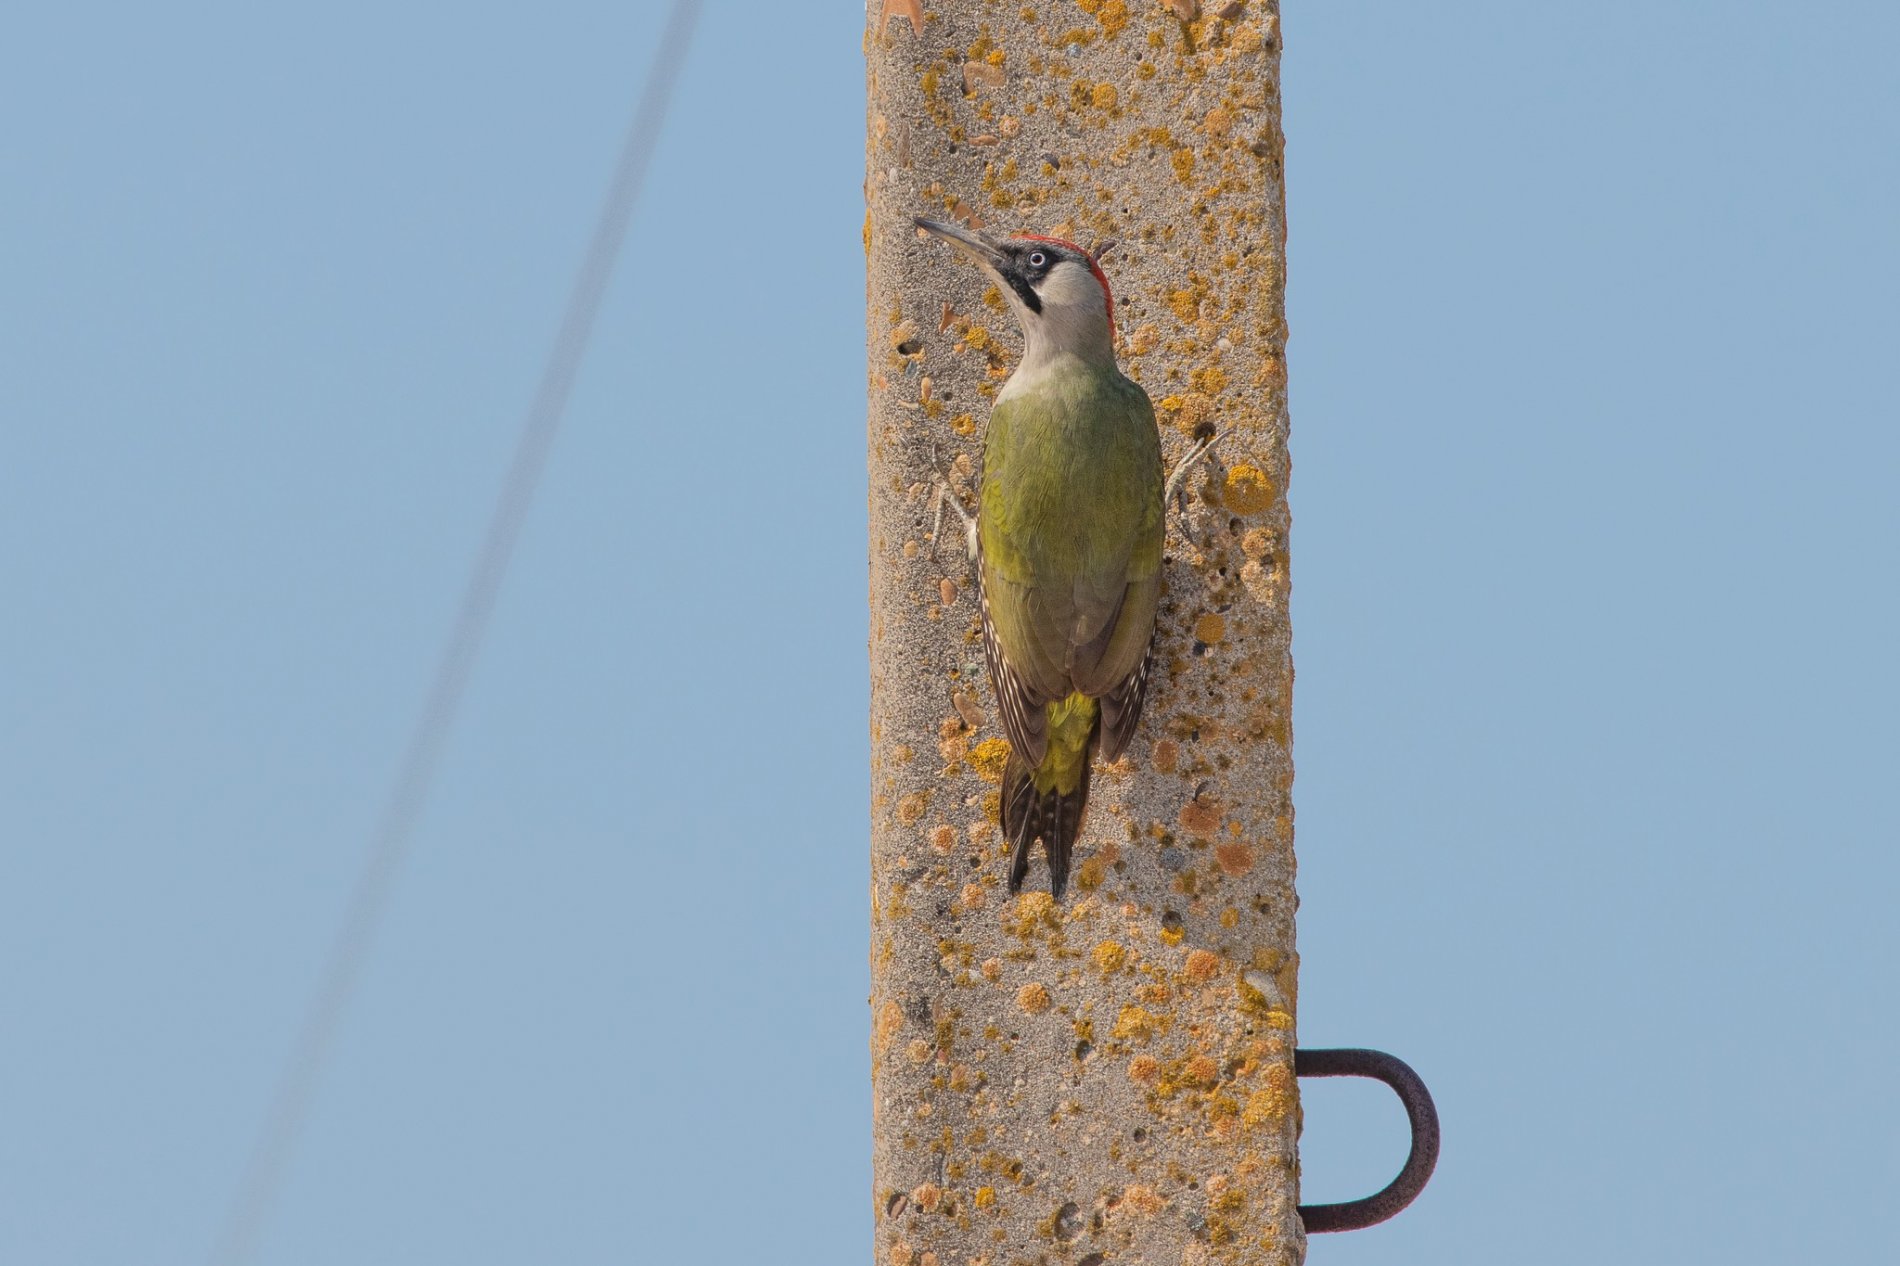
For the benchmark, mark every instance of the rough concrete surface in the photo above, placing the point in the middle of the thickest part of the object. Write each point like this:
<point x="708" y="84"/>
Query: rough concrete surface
<point x="1109" y="1079"/>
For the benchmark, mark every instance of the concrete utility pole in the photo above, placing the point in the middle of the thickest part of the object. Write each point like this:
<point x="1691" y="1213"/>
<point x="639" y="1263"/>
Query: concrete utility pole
<point x="1110" y="1079"/>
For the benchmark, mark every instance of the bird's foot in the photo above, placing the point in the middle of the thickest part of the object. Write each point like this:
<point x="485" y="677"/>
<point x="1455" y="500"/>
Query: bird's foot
<point x="1174" y="492"/>
<point x="947" y="495"/>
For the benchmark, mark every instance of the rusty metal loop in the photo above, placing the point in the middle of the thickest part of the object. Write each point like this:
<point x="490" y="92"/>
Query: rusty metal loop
<point x="1353" y="1215"/>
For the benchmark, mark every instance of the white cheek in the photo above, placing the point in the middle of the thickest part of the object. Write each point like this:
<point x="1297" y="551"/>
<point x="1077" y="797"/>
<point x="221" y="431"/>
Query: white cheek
<point x="1070" y="285"/>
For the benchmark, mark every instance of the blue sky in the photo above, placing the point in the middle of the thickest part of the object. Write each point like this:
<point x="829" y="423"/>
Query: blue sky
<point x="1593" y="317"/>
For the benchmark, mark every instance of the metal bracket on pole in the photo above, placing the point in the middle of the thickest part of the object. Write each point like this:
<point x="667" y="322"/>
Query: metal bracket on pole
<point x="1353" y="1215"/>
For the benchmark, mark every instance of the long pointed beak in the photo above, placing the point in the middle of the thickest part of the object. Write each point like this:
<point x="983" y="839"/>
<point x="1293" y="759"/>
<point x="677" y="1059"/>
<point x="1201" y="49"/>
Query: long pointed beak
<point x="978" y="248"/>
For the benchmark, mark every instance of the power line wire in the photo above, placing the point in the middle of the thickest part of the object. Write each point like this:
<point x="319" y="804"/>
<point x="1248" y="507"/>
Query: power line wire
<point x="289" y="1108"/>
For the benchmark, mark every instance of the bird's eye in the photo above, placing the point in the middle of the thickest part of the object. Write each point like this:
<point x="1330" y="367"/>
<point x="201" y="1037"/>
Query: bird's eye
<point x="1037" y="259"/>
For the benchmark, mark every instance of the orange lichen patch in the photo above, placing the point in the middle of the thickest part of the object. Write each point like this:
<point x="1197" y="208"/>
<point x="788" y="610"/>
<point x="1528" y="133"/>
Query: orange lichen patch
<point x="1230" y="918"/>
<point x="927" y="1197"/>
<point x="989" y="757"/>
<point x="1218" y="123"/>
<point x="992" y="969"/>
<point x="1136" y="1024"/>
<point x="1234" y="859"/>
<point x="1142" y="1200"/>
<point x="984" y="1197"/>
<point x="910" y="809"/>
<point x="900" y="1254"/>
<point x="1248" y="490"/>
<point x="943" y="839"/>
<point x="1199" y="817"/>
<point x="1210" y="628"/>
<point x="1257" y="544"/>
<point x="1091" y="873"/>
<point x="1144" y="1069"/>
<point x="1033" y="998"/>
<point x="973" y="896"/>
<point x="890" y="1018"/>
<point x="1104" y="97"/>
<point x="1167" y="756"/>
<point x="920" y="1051"/>
<point x="1201" y="1071"/>
<point x="1202" y="966"/>
<point x="1183" y="161"/>
<point x="1271" y="1104"/>
<point x="1109" y="956"/>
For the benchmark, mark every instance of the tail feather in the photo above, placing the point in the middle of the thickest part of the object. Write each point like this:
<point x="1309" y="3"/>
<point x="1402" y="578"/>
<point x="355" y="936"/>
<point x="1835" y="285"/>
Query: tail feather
<point x="1051" y="816"/>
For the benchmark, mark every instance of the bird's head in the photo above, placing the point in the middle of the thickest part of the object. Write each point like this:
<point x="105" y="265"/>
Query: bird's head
<point x="1058" y="291"/>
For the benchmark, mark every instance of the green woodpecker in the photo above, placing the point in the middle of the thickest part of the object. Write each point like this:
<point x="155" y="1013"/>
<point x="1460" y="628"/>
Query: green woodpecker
<point x="1066" y="540"/>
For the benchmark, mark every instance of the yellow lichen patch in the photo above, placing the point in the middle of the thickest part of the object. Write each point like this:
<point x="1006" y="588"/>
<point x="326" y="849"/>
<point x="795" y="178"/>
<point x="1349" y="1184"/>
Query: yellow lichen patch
<point x="901" y="1254"/>
<point x="1210" y="628"/>
<point x="1033" y="998"/>
<point x="1248" y="489"/>
<point x="1109" y="956"/>
<point x="992" y="969"/>
<point x="988" y="759"/>
<point x="1136" y="1024"/>
<point x="1209" y="379"/>
<point x="1034" y="910"/>
<point x="1167" y="756"/>
<point x="1257" y="544"/>
<point x="1183" y="164"/>
<point x="1104" y="97"/>
<point x="1172" y="936"/>
<point x="910" y="809"/>
<point x="919" y="1051"/>
<point x="1200" y="817"/>
<point x="1279" y="1019"/>
<point x="1230" y="918"/>
<point x="1144" y="1069"/>
<point x="1234" y="859"/>
<point x="984" y="1197"/>
<point x="963" y="424"/>
<point x="1202" y="966"/>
